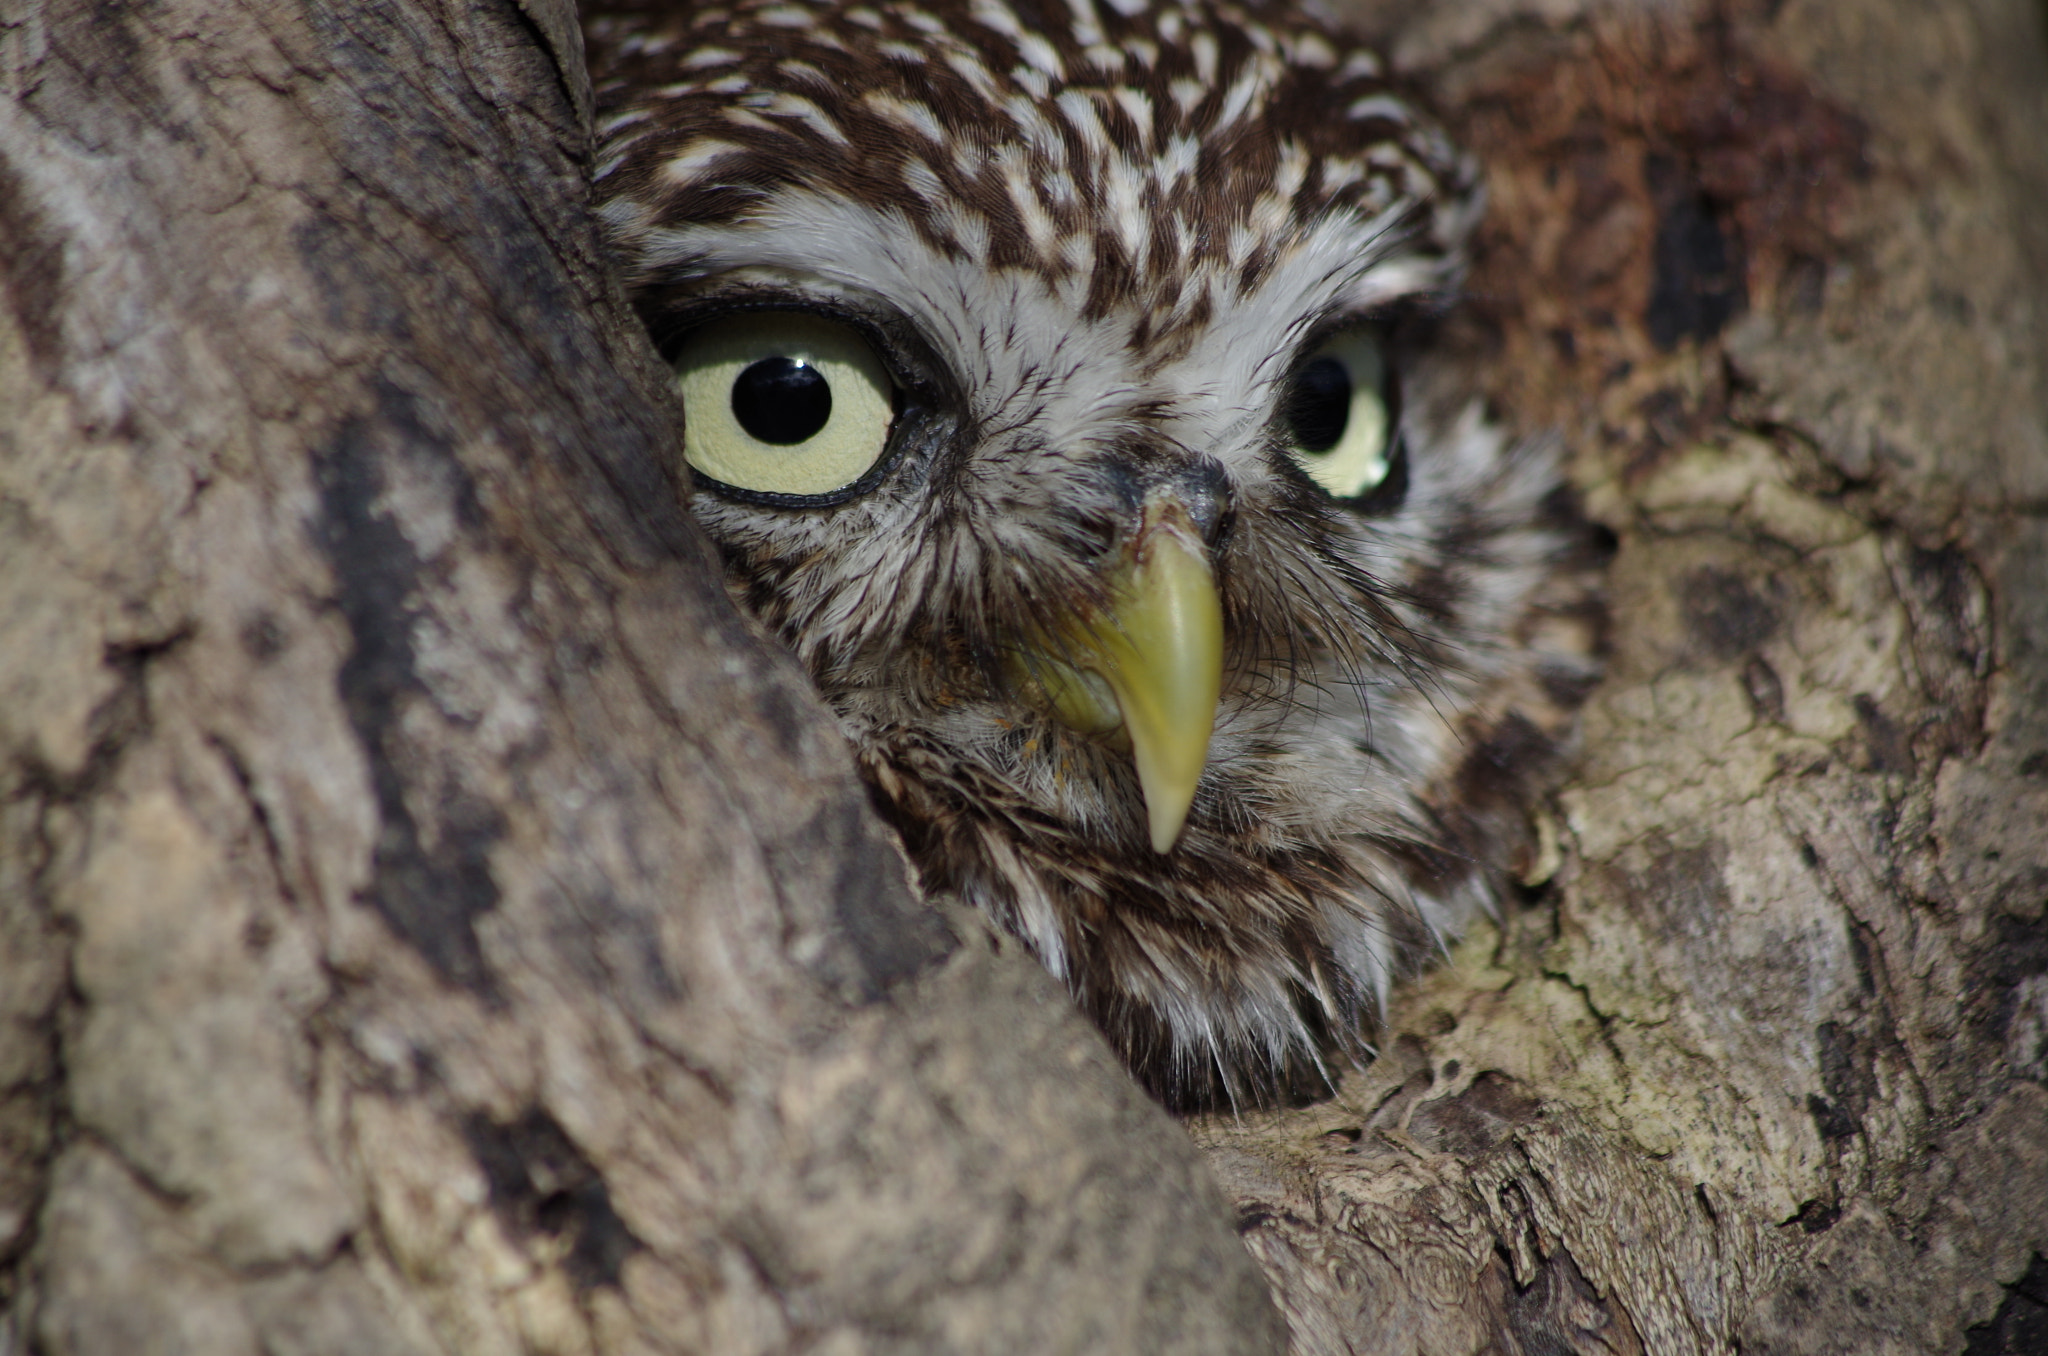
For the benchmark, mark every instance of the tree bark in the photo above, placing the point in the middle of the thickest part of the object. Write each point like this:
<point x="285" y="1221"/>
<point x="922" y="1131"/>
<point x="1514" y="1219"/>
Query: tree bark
<point x="431" y="920"/>
<point x="1762" y="1069"/>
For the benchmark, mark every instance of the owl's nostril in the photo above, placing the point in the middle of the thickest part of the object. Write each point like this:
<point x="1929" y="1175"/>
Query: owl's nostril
<point x="1124" y="484"/>
<point x="1203" y="488"/>
<point x="1200" y="486"/>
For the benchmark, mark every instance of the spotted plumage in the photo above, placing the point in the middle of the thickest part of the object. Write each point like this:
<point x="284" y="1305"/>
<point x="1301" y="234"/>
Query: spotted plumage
<point x="1091" y="267"/>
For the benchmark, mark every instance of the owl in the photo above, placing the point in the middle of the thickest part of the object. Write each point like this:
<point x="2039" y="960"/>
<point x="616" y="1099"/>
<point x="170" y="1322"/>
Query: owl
<point x="1056" y="383"/>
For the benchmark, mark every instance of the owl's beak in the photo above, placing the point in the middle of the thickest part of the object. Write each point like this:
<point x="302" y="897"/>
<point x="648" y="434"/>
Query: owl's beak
<point x="1157" y="647"/>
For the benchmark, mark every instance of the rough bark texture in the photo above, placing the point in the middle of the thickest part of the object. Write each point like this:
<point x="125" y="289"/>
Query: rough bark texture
<point x="431" y="921"/>
<point x="1763" y="1068"/>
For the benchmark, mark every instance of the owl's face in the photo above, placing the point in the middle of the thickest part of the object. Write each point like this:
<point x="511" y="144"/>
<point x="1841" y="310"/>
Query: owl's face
<point x="1041" y="376"/>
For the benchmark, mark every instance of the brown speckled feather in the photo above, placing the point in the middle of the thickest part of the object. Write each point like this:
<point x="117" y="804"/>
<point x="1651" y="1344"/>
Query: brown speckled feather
<point x="1092" y="243"/>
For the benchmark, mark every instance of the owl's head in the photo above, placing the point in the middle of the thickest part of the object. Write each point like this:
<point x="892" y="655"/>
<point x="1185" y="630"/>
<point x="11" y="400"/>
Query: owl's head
<point x="1042" y="376"/>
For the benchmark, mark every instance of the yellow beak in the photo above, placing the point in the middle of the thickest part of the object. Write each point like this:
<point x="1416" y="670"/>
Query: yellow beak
<point x="1148" y="665"/>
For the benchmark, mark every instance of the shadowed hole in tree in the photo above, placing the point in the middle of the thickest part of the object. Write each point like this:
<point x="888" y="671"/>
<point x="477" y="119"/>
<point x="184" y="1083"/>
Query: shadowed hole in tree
<point x="542" y="1183"/>
<point x="2020" y="1327"/>
<point x="1818" y="1216"/>
<point x="1697" y="284"/>
<point x="1560" y="1311"/>
<point x="1724" y="615"/>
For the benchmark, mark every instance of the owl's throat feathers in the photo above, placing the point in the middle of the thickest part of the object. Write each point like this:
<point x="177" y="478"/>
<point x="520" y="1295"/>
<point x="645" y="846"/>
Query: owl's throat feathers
<point x="1145" y="669"/>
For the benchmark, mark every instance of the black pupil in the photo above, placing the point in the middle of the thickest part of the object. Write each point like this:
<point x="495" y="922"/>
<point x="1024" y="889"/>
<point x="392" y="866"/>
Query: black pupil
<point x="782" y="401"/>
<point x="1319" y="406"/>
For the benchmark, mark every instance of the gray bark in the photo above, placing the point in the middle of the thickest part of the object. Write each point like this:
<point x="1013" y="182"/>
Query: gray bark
<point x="431" y="920"/>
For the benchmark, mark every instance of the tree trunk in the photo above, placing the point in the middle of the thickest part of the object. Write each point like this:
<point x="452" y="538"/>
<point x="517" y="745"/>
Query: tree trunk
<point x="1763" y="1068"/>
<point x="431" y="920"/>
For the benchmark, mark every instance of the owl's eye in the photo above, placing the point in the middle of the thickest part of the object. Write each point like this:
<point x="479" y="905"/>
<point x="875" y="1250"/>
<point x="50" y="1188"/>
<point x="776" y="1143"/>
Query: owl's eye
<point x="782" y="403"/>
<point x="1338" y="423"/>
